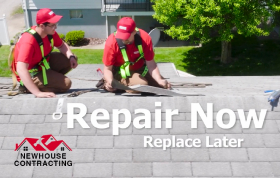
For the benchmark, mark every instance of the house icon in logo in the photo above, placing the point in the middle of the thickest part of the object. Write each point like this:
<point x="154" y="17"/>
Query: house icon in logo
<point x="45" y="143"/>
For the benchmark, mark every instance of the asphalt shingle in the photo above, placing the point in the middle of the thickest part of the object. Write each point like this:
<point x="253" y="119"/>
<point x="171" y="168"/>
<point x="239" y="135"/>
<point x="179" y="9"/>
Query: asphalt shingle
<point x="27" y="119"/>
<point x="275" y="168"/>
<point x="113" y="155"/>
<point x="269" y="126"/>
<point x="151" y="155"/>
<point x="95" y="142"/>
<point x="221" y="169"/>
<point x="250" y="140"/>
<point x="38" y="130"/>
<point x="189" y="155"/>
<point x="53" y="171"/>
<point x="1" y="141"/>
<point x="92" y="170"/>
<point x="132" y="169"/>
<point x="77" y="130"/>
<point x="184" y="127"/>
<point x="14" y="171"/>
<point x="228" y="154"/>
<point x="81" y="155"/>
<point x="271" y="140"/>
<point x="11" y="130"/>
<point x="264" y="154"/>
<point x="251" y="169"/>
<point x="4" y="119"/>
<point x="8" y="157"/>
<point x="152" y="131"/>
<point x="172" y="169"/>
<point x="10" y="142"/>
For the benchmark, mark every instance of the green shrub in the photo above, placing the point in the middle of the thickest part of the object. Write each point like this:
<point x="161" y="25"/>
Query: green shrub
<point x="61" y="35"/>
<point x="12" y="42"/>
<point x="74" y="37"/>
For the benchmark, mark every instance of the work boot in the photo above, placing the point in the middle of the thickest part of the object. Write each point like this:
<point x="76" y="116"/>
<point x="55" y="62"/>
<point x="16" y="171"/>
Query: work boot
<point x="100" y="84"/>
<point x="22" y="89"/>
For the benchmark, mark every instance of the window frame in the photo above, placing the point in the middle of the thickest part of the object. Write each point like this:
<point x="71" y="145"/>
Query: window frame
<point x="76" y="11"/>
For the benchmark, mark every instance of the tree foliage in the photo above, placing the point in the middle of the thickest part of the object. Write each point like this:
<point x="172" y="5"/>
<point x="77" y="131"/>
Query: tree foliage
<point x="202" y="19"/>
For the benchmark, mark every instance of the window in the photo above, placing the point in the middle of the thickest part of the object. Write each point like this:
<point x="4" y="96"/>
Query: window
<point x="62" y="148"/>
<point x="76" y="14"/>
<point x="25" y="148"/>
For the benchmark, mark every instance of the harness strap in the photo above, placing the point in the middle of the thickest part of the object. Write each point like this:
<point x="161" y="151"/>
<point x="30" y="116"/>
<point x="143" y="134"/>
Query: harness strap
<point x="124" y="69"/>
<point x="43" y="63"/>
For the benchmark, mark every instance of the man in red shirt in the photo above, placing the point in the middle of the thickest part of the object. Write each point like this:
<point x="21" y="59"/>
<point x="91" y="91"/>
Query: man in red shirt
<point x="38" y="70"/>
<point x="128" y="54"/>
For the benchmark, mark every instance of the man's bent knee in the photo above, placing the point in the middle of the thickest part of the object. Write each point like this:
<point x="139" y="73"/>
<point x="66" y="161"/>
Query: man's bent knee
<point x="68" y="84"/>
<point x="137" y="79"/>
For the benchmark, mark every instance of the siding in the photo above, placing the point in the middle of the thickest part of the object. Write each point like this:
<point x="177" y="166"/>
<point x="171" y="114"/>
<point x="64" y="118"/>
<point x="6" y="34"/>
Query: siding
<point x="143" y="22"/>
<point x="126" y="1"/>
<point x="92" y="22"/>
<point x="63" y="4"/>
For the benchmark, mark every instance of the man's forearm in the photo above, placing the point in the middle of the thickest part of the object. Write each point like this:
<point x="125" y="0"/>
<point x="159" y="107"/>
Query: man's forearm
<point x="153" y="70"/>
<point x="108" y="75"/>
<point x="65" y="49"/>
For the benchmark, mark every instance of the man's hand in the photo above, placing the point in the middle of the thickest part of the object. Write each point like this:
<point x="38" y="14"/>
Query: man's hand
<point x="109" y="87"/>
<point x="45" y="95"/>
<point x="64" y="49"/>
<point x="73" y="62"/>
<point x="108" y="78"/>
<point x="154" y="72"/>
<point x="22" y="69"/>
<point x="165" y="84"/>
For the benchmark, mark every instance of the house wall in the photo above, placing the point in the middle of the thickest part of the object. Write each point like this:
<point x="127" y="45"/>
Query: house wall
<point x="112" y="24"/>
<point x="126" y="1"/>
<point x="92" y="22"/>
<point x="143" y="22"/>
<point x="63" y="4"/>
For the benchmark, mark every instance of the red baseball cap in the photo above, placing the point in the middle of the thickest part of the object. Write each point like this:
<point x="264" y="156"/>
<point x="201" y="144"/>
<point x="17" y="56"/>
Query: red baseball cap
<point x="125" y="27"/>
<point x="47" y="15"/>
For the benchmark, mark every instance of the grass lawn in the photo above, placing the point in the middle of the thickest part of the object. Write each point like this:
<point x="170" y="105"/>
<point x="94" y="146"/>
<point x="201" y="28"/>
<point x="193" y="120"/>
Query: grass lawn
<point x="175" y="55"/>
<point x="4" y="69"/>
<point x="89" y="56"/>
<point x="251" y="57"/>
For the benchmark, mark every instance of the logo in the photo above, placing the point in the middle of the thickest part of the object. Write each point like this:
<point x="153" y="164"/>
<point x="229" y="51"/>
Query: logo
<point x="51" y="13"/>
<point x="122" y="27"/>
<point x="44" y="151"/>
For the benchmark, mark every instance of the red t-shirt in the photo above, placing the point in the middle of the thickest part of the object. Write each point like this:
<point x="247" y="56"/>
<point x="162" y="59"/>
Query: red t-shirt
<point x="113" y="56"/>
<point x="27" y="49"/>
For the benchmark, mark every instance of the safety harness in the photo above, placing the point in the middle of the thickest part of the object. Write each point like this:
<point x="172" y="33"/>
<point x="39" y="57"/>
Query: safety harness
<point x="44" y="64"/>
<point x="124" y="69"/>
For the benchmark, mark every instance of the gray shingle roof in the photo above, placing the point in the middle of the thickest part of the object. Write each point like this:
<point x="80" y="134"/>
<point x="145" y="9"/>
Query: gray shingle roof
<point x="99" y="153"/>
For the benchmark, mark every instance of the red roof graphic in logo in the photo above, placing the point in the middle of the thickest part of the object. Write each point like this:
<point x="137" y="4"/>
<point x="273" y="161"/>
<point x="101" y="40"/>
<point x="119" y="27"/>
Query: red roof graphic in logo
<point x="45" y="143"/>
